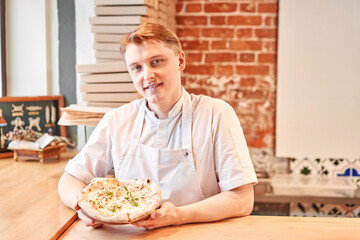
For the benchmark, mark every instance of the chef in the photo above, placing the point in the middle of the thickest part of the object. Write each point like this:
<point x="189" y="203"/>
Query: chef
<point x="192" y="146"/>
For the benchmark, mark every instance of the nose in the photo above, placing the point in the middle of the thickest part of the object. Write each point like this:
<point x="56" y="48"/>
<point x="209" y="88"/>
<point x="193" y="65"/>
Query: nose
<point x="149" y="74"/>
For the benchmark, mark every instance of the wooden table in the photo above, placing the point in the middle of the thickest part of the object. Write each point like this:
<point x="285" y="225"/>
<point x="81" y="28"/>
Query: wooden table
<point x="31" y="209"/>
<point x="29" y="204"/>
<point x="251" y="227"/>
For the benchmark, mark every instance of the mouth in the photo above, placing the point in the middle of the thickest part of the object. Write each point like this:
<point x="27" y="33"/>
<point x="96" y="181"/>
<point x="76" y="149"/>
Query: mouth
<point x="153" y="86"/>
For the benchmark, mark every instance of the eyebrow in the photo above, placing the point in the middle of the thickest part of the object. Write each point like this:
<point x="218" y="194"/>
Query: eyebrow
<point x="150" y="58"/>
<point x="157" y="56"/>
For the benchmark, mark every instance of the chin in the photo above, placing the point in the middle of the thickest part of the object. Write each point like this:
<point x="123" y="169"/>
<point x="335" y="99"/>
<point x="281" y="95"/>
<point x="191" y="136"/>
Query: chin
<point x="153" y="100"/>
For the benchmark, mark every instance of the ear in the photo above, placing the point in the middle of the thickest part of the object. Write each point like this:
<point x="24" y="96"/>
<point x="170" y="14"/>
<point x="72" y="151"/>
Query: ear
<point x="182" y="61"/>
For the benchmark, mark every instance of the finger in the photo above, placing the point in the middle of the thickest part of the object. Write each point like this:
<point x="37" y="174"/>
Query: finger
<point x="152" y="216"/>
<point x="88" y="221"/>
<point x="146" y="223"/>
<point x="149" y="228"/>
<point x="140" y="223"/>
<point x="97" y="225"/>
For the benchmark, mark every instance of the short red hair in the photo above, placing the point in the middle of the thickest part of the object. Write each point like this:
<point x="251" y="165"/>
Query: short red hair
<point x="151" y="32"/>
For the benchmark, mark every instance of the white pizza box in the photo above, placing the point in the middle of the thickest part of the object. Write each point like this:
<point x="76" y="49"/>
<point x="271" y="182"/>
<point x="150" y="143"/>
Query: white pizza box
<point x="108" y="38"/>
<point x="111" y="97"/>
<point x="106" y="78"/>
<point x="107" y="46"/>
<point x="115" y="20"/>
<point x="111" y="67"/>
<point x="82" y="115"/>
<point x="115" y="55"/>
<point x="105" y="104"/>
<point x="116" y="29"/>
<point x="152" y="3"/>
<point x="107" y="87"/>
<point x="121" y="10"/>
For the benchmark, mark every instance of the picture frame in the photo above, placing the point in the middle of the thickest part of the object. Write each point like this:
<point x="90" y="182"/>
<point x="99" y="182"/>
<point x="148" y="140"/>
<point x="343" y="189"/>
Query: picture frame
<point x="39" y="113"/>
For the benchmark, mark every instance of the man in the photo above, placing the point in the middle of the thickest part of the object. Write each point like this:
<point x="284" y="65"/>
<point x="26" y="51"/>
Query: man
<point x="192" y="146"/>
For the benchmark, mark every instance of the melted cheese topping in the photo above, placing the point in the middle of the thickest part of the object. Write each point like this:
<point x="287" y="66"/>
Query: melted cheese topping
<point x="109" y="199"/>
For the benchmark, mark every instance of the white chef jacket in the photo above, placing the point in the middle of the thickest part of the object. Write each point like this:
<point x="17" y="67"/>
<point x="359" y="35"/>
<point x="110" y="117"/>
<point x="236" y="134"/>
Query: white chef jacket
<point x="221" y="157"/>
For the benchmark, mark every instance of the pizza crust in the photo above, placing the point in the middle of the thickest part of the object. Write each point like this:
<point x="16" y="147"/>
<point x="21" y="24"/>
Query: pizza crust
<point x="127" y="212"/>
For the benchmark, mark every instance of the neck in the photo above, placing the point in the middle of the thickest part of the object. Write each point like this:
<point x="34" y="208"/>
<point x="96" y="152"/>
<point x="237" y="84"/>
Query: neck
<point x="162" y="109"/>
<point x="160" y="112"/>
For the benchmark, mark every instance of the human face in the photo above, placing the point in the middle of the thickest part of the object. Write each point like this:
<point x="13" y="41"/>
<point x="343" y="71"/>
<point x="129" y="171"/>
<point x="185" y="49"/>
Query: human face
<point x="155" y="70"/>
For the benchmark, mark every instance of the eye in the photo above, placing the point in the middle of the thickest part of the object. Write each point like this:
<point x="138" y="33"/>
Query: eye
<point x="136" y="68"/>
<point x="156" y="62"/>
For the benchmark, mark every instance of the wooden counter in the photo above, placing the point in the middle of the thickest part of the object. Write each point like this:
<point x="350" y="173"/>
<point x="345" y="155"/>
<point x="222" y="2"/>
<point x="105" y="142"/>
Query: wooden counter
<point x="302" y="189"/>
<point x="31" y="209"/>
<point x="30" y="206"/>
<point x="251" y="227"/>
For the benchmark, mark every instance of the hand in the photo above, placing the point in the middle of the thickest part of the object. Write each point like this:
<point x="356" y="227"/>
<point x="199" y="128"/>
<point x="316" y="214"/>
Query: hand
<point x="166" y="215"/>
<point x="86" y="219"/>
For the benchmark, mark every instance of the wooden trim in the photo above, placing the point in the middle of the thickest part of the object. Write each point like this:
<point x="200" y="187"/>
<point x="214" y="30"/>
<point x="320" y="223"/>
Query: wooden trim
<point x="29" y="99"/>
<point x="59" y="98"/>
<point x="67" y="225"/>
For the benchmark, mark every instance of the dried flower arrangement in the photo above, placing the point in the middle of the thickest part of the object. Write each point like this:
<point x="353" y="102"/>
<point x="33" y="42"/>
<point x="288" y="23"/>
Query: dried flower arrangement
<point x="26" y="134"/>
<point x="30" y="135"/>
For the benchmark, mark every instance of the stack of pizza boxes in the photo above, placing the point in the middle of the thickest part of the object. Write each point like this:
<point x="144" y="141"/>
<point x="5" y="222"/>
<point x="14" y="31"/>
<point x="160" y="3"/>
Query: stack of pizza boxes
<point x="107" y="83"/>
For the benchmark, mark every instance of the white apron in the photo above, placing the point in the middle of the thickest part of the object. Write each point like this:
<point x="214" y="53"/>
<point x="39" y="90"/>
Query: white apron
<point x="172" y="169"/>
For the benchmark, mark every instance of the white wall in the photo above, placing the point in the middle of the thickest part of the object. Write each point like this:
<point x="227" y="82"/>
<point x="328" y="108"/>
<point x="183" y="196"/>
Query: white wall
<point x="85" y="53"/>
<point x="52" y="39"/>
<point x="318" y="94"/>
<point x="32" y="47"/>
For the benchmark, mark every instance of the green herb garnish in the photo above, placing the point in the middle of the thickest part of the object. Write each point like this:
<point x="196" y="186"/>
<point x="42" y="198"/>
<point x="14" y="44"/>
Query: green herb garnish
<point x="130" y="198"/>
<point x="113" y="209"/>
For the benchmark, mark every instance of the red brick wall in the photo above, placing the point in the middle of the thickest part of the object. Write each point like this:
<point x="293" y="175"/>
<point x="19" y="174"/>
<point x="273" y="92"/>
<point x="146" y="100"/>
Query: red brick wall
<point x="231" y="54"/>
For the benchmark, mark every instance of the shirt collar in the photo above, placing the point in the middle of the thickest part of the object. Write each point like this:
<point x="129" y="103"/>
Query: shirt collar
<point x="178" y="106"/>
<point x="174" y="111"/>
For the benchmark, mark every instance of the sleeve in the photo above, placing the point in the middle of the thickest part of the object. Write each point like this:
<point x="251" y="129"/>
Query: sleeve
<point x="94" y="160"/>
<point x="234" y="167"/>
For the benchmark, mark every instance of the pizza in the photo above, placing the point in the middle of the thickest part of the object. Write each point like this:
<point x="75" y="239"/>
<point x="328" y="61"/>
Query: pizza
<point x="110" y="200"/>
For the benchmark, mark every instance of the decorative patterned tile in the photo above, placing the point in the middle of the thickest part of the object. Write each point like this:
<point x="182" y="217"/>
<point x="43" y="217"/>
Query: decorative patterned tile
<point x="350" y="170"/>
<point x="306" y="209"/>
<point x="351" y="210"/>
<point x="305" y="166"/>
<point x="330" y="167"/>
<point x="266" y="164"/>
<point x="324" y="210"/>
<point x="326" y="167"/>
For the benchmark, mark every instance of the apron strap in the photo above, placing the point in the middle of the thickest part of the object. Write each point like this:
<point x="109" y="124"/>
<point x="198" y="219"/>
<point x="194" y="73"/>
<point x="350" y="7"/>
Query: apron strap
<point x="186" y="121"/>
<point x="139" y="123"/>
